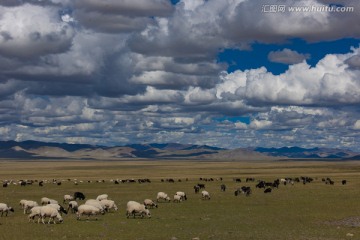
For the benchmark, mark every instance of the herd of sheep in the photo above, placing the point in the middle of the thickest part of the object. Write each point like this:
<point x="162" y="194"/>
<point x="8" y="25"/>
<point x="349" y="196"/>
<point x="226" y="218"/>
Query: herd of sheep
<point x="51" y="209"/>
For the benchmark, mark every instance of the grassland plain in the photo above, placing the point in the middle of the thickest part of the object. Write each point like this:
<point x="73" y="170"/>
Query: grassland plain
<point x="311" y="211"/>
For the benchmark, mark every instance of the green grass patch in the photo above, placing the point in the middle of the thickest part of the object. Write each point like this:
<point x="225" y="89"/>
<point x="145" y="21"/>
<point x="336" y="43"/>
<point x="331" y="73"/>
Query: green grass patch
<point x="311" y="211"/>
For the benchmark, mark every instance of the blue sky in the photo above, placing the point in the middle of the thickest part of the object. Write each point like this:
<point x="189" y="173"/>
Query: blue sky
<point x="257" y="56"/>
<point x="222" y="73"/>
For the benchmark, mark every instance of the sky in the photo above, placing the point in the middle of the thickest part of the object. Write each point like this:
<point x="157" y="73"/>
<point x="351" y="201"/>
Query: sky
<point x="225" y="73"/>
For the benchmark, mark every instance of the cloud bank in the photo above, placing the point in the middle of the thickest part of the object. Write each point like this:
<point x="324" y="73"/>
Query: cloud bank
<point x="131" y="72"/>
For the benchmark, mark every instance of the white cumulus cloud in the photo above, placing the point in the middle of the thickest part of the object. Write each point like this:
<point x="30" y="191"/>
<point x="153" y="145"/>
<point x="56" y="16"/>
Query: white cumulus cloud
<point x="28" y="31"/>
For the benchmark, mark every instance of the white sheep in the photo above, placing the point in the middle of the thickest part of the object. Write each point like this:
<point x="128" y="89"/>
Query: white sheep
<point x="44" y="201"/>
<point x="135" y="208"/>
<point x="51" y="212"/>
<point x="22" y="203"/>
<point x="35" y="212"/>
<point x="58" y="207"/>
<point x="52" y="201"/>
<point x="162" y="195"/>
<point x="182" y="195"/>
<point x="29" y="204"/>
<point x="88" y="210"/>
<point x="96" y="203"/>
<point x="5" y="209"/>
<point x="205" y="195"/>
<point x="102" y="197"/>
<point x="68" y="198"/>
<point x="109" y="204"/>
<point x="150" y="203"/>
<point x="73" y="205"/>
<point x="177" y="198"/>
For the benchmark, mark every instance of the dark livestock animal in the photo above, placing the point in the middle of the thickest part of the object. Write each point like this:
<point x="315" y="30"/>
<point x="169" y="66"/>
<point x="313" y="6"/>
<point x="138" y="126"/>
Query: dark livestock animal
<point x="329" y="181"/>
<point x="237" y="179"/>
<point x="223" y="187"/>
<point x="263" y="184"/>
<point x="250" y="179"/>
<point x="306" y="180"/>
<point x="268" y="190"/>
<point x="79" y="195"/>
<point x="343" y="182"/>
<point x="201" y="185"/>
<point x="144" y="180"/>
<point x="245" y="190"/>
<point x="196" y="189"/>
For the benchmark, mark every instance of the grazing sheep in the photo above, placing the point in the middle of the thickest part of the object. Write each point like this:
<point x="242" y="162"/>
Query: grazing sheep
<point x="196" y="189"/>
<point x="244" y="189"/>
<point x="177" y="198"/>
<point x="79" y="195"/>
<point x="58" y="207"/>
<point x="22" y="203"/>
<point x="162" y="195"/>
<point x="29" y="205"/>
<point x="35" y="211"/>
<point x="51" y="212"/>
<point x="135" y="208"/>
<point x="68" y="198"/>
<point x="73" y="205"/>
<point x="109" y="204"/>
<point x="44" y="201"/>
<point x="150" y="203"/>
<point x="182" y="195"/>
<point x="5" y="209"/>
<point x="52" y="201"/>
<point x="88" y="210"/>
<point x="205" y="195"/>
<point x="96" y="203"/>
<point x="102" y="197"/>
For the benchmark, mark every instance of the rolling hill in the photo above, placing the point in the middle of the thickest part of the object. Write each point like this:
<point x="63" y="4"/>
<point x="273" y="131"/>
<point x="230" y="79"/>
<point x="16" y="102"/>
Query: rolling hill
<point x="44" y="150"/>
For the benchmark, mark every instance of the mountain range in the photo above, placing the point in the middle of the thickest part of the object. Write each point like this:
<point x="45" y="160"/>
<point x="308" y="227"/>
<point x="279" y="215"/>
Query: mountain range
<point x="48" y="150"/>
